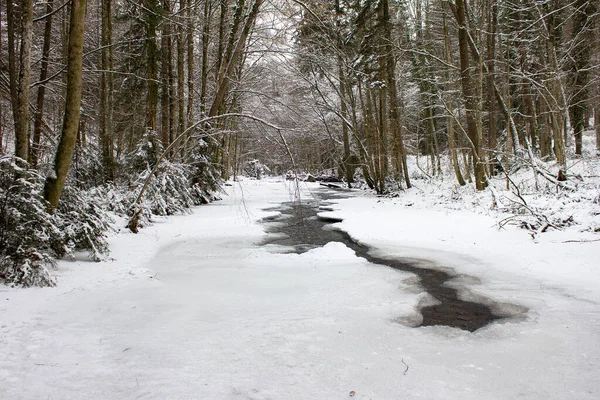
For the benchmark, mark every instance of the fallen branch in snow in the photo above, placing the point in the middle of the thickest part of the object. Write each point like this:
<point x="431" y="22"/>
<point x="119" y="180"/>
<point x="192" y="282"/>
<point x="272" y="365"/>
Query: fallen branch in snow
<point x="553" y="180"/>
<point x="581" y="241"/>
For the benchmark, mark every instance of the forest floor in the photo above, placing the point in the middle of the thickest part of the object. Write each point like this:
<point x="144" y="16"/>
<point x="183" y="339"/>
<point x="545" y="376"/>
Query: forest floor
<point x="193" y="307"/>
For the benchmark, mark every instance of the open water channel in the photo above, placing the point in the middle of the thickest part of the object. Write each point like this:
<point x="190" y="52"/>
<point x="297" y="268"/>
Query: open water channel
<point x="299" y="227"/>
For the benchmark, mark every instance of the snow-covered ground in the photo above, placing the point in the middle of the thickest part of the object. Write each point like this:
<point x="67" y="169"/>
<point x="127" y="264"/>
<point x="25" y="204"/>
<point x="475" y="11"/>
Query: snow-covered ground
<point x="193" y="308"/>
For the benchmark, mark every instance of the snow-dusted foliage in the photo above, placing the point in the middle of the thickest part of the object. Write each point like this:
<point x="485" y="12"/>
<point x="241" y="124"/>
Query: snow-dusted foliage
<point x="519" y="195"/>
<point x="83" y="223"/>
<point x="173" y="188"/>
<point x="31" y="238"/>
<point x="86" y="167"/>
<point x="255" y="169"/>
<point x="205" y="176"/>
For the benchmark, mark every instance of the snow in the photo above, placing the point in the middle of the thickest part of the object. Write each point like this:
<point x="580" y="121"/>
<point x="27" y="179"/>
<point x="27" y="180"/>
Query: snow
<point x="194" y="307"/>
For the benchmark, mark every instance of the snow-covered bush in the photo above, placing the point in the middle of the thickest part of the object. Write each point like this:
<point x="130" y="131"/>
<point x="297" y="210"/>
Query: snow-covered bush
<point x="169" y="190"/>
<point x="83" y="223"/>
<point x="28" y="234"/>
<point x="86" y="168"/>
<point x="205" y="176"/>
<point x="173" y="188"/>
<point x="255" y="169"/>
<point x="31" y="238"/>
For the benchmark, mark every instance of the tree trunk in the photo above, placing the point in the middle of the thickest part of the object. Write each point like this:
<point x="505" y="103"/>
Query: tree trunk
<point x="181" y="76"/>
<point x="584" y="39"/>
<point x="62" y="162"/>
<point x="450" y="110"/>
<point x="390" y="73"/>
<point x="205" y="42"/>
<point x="106" y="136"/>
<point x="39" y="115"/>
<point x="1" y="108"/>
<point x="20" y="74"/>
<point x="152" y="21"/>
<point x="228" y="69"/>
<point x="190" y="14"/>
<point x="165" y="95"/>
<point x="221" y="44"/>
<point x="491" y="66"/>
<point x="597" y="118"/>
<point x="555" y="104"/>
<point x="470" y="98"/>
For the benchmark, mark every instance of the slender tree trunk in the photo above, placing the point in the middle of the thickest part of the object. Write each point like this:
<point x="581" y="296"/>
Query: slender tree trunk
<point x="369" y="168"/>
<point x="62" y="162"/>
<point x="106" y="136"/>
<point x="372" y="124"/>
<point x="229" y="68"/>
<point x="39" y="115"/>
<point x="544" y="124"/>
<point x="1" y="129"/>
<point x="491" y="66"/>
<point x="468" y="88"/>
<point x="221" y="44"/>
<point x="165" y="98"/>
<point x="555" y="104"/>
<point x="181" y="75"/>
<point x="390" y="72"/>
<point x="190" y="14"/>
<point x="346" y="165"/>
<point x="584" y="39"/>
<point x="205" y="42"/>
<point x="450" y="110"/>
<point x="597" y="118"/>
<point x="152" y="22"/>
<point x="1" y="107"/>
<point x="20" y="74"/>
<point x="13" y="72"/>
<point x="225" y="62"/>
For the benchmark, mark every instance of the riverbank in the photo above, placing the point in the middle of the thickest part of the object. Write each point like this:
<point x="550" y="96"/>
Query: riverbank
<point x="194" y="307"/>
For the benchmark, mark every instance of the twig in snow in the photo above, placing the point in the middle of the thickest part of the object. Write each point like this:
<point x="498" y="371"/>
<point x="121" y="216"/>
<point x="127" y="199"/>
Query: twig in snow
<point x="243" y="203"/>
<point x="406" y="370"/>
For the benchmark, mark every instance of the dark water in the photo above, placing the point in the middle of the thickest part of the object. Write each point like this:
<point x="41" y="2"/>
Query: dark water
<point x="300" y="228"/>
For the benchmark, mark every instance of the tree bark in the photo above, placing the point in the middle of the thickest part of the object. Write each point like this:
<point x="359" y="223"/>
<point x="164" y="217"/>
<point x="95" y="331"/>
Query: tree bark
<point x="205" y="42"/>
<point x="450" y="111"/>
<point x="390" y="73"/>
<point x="584" y="39"/>
<point x="491" y="66"/>
<point x="151" y="22"/>
<point x="468" y="89"/>
<point x="165" y="96"/>
<point x="228" y="69"/>
<point x="597" y="118"/>
<point x="181" y="117"/>
<point x="39" y="115"/>
<point x="106" y="136"/>
<point x="556" y="104"/>
<point x="62" y="162"/>
<point x="190" y="14"/>
<point x="20" y="74"/>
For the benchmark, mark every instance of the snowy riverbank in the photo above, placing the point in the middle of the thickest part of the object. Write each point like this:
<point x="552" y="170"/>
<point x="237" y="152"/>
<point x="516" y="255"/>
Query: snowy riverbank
<point x="192" y="307"/>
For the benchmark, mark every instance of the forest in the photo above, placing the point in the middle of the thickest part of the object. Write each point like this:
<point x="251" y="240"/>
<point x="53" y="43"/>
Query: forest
<point x="144" y="108"/>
